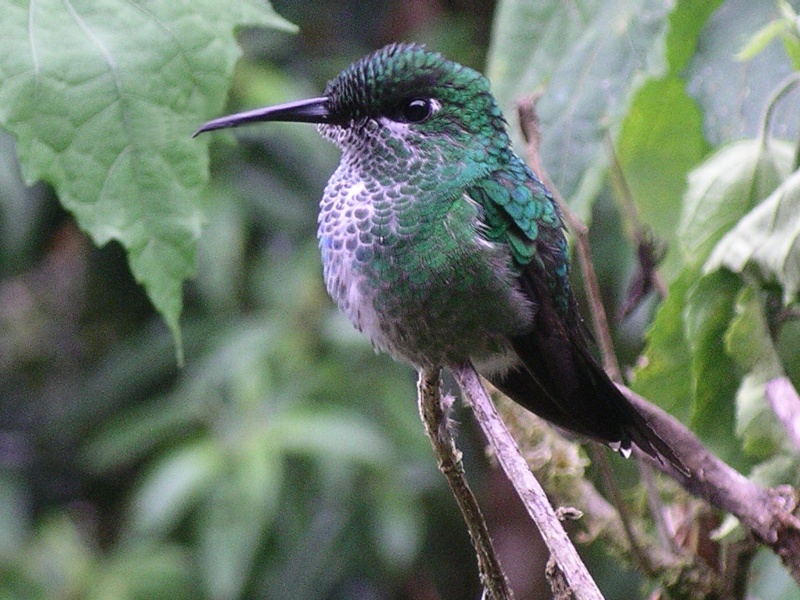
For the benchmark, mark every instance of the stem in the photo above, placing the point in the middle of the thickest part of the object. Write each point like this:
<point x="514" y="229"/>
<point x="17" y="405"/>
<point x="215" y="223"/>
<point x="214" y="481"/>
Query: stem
<point x="638" y="554"/>
<point x="783" y="88"/>
<point x="665" y="535"/>
<point x="642" y="235"/>
<point x="785" y="403"/>
<point x="529" y="490"/>
<point x="434" y="412"/>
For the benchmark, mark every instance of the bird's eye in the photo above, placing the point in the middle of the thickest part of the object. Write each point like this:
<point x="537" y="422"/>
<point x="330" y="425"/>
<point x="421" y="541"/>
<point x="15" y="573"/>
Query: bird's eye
<point x="416" y="110"/>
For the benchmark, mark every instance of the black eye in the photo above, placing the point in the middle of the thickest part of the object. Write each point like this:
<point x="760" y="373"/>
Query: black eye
<point x="416" y="110"/>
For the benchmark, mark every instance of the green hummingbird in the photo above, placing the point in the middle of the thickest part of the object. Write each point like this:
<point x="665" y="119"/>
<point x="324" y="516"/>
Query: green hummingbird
<point x="443" y="247"/>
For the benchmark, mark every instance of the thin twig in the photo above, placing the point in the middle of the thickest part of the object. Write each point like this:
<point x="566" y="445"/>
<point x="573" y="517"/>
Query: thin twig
<point x="785" y="404"/>
<point x="527" y="487"/>
<point x="665" y="534"/>
<point x="784" y="87"/>
<point x="647" y="247"/>
<point x="434" y="409"/>
<point x="739" y="556"/>
<point x="637" y="552"/>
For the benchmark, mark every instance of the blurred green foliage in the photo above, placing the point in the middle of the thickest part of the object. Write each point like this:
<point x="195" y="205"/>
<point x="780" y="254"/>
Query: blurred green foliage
<point x="285" y="458"/>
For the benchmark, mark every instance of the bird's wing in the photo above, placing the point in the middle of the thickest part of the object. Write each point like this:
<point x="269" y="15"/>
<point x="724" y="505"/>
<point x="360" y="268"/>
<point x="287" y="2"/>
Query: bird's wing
<point x="558" y="379"/>
<point x="519" y="212"/>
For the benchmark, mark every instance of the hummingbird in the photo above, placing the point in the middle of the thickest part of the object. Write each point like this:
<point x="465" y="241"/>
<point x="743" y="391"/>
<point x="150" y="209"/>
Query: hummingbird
<point x="443" y="247"/>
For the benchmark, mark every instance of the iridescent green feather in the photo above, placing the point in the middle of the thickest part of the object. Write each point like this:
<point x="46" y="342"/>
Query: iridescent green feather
<point x="520" y="212"/>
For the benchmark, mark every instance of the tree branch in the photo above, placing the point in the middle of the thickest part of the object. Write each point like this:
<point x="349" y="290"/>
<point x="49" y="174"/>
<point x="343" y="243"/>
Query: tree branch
<point x="555" y="462"/>
<point x="767" y="514"/>
<point x="434" y="409"/>
<point x="529" y="490"/>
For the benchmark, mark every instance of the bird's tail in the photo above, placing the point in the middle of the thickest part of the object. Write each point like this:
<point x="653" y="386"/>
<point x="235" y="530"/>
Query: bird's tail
<point x="559" y="380"/>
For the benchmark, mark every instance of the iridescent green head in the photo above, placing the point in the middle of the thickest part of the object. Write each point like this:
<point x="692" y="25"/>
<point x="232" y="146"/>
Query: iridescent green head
<point x="407" y="84"/>
<point x="400" y="92"/>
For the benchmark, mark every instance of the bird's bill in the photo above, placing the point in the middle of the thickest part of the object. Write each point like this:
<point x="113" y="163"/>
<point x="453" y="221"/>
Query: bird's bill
<point x="314" y="110"/>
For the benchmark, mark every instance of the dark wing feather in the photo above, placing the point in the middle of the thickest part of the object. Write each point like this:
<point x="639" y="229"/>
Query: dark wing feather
<point x="558" y="378"/>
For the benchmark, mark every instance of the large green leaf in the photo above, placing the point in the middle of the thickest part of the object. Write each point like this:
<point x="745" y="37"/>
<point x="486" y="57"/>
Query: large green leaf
<point x="766" y="241"/>
<point x="102" y="97"/>
<point x="749" y="343"/>
<point x="707" y="315"/>
<point x="529" y="40"/>
<point x="661" y="138"/>
<point x="341" y="436"/>
<point x="733" y="94"/>
<point x="590" y="58"/>
<point x="685" y="368"/>
<point x="664" y="371"/>
<point x="725" y="187"/>
<point x="173" y="485"/>
<point x="237" y="513"/>
<point x="661" y="141"/>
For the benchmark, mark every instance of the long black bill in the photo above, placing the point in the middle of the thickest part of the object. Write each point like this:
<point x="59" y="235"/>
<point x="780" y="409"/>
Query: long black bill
<point x="314" y="110"/>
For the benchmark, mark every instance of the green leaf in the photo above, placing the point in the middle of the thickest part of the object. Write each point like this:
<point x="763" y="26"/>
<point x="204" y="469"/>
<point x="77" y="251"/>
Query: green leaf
<point x="59" y="557"/>
<point x="172" y="485"/>
<point x="13" y="516"/>
<point x="685" y="24"/>
<point x="232" y="522"/>
<point x="662" y="138"/>
<point x="341" y="436"/>
<point x="529" y="39"/>
<point x="770" y="579"/>
<point x="732" y="95"/>
<point x="748" y="339"/>
<point x="399" y="528"/>
<point x="724" y="188"/>
<point x="791" y="43"/>
<point x="103" y="97"/>
<point x="144" y="570"/>
<point x="788" y="341"/>
<point x="135" y="432"/>
<point x="781" y="469"/>
<point x="663" y="375"/>
<point x="766" y="242"/>
<point x="660" y="142"/>
<point x="788" y="13"/>
<point x="749" y="343"/>
<point x="707" y="315"/>
<point x="590" y="57"/>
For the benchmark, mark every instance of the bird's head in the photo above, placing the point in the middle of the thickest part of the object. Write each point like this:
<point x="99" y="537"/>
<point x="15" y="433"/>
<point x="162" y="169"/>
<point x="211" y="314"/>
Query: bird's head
<point x="400" y="102"/>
